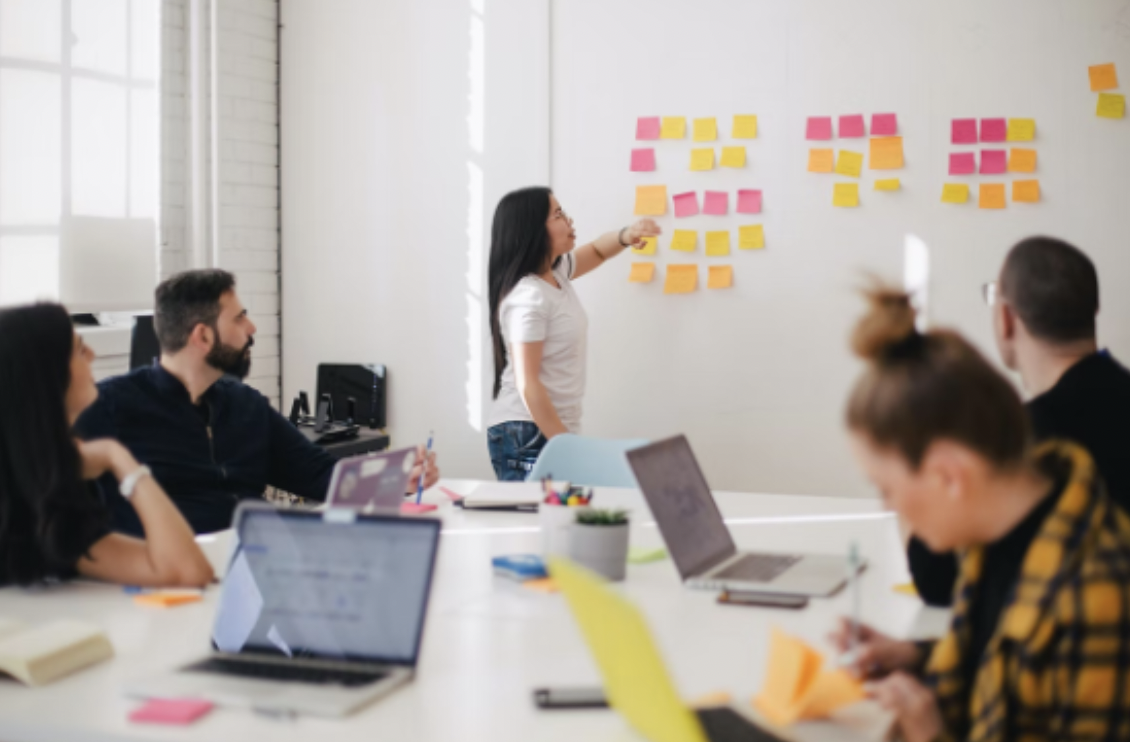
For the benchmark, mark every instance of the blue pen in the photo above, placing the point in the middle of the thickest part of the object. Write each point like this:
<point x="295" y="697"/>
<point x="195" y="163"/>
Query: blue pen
<point x="424" y="470"/>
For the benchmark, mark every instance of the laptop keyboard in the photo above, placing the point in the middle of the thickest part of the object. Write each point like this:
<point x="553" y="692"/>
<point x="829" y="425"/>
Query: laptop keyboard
<point x="723" y="724"/>
<point x="286" y="672"/>
<point x="757" y="567"/>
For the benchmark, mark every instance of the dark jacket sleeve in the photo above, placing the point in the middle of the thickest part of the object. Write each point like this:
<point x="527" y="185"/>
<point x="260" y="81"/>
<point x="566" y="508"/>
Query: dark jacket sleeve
<point x="297" y="465"/>
<point x="934" y="574"/>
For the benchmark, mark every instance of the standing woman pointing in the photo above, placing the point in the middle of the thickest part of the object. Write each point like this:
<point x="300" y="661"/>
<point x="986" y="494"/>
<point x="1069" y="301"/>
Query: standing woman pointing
<point x="537" y="324"/>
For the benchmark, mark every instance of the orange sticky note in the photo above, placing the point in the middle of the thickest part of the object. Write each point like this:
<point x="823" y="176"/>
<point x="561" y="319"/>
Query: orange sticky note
<point x="831" y="690"/>
<point x="1103" y="77"/>
<point x="796" y="687"/>
<point x="886" y="153"/>
<point x="1026" y="191"/>
<point x="821" y="160"/>
<point x="167" y="599"/>
<point x="681" y="279"/>
<point x="720" y="277"/>
<point x="651" y="200"/>
<point x="991" y="196"/>
<point x="541" y="585"/>
<point x="1021" y="160"/>
<point x="642" y="273"/>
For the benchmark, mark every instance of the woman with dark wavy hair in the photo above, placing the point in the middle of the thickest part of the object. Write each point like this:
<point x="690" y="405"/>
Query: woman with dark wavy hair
<point x="52" y="521"/>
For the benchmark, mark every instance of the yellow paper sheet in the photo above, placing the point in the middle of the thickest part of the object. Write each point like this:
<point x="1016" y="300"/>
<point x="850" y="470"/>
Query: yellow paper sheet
<point x="642" y="273"/>
<point x="846" y="195"/>
<point x="955" y="193"/>
<point x="1026" y="191"/>
<point x="906" y="588"/>
<point x="1021" y="160"/>
<point x="1021" y="130"/>
<point x="821" y="160"/>
<point x="720" y="277"/>
<point x="673" y="127"/>
<point x="681" y="279"/>
<point x="1111" y="106"/>
<point x="702" y="159"/>
<point x="796" y="687"/>
<point x="888" y="184"/>
<point x="745" y="127"/>
<point x="991" y="196"/>
<point x="849" y="163"/>
<point x="705" y="130"/>
<point x="831" y="690"/>
<point x="651" y="200"/>
<point x="649" y="246"/>
<point x="733" y="157"/>
<point x="718" y="243"/>
<point x="1103" y="77"/>
<point x="886" y="153"/>
<point x="684" y="240"/>
<point x="751" y="237"/>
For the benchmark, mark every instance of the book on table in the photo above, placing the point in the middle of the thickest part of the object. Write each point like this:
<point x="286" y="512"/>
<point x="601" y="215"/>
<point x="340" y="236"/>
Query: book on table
<point x="37" y="655"/>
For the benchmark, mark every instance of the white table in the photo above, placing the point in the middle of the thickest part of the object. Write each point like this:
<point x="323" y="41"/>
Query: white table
<point x="488" y="641"/>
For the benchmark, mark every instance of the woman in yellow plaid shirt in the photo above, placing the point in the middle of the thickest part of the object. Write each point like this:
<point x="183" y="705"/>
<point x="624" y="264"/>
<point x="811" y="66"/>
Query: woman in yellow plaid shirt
<point x="1039" y="646"/>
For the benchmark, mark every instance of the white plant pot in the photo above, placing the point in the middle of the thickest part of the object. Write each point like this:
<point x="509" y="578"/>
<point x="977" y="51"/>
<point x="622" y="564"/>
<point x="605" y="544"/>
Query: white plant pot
<point x="556" y="523"/>
<point x="603" y="549"/>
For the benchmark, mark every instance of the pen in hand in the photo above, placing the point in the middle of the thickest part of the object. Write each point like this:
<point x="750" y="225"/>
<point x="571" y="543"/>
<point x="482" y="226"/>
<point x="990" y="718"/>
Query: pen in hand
<point x="424" y="468"/>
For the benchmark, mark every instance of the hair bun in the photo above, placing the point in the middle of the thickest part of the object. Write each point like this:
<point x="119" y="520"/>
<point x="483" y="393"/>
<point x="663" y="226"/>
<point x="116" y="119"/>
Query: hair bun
<point x="888" y="325"/>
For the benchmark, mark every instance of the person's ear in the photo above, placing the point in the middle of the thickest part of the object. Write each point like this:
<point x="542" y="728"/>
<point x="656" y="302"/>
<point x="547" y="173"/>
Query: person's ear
<point x="1008" y="320"/>
<point x="950" y="467"/>
<point x="202" y="337"/>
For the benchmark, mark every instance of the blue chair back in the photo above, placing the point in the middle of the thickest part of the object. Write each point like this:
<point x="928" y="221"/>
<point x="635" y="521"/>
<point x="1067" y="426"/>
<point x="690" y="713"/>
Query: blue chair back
<point x="593" y="462"/>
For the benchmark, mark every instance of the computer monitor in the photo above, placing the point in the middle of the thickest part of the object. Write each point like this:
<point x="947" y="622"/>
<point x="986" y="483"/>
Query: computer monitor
<point x="365" y="383"/>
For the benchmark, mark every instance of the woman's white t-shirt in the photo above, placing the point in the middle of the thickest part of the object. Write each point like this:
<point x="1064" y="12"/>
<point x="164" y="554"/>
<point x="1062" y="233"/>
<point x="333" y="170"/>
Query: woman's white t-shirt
<point x="536" y="311"/>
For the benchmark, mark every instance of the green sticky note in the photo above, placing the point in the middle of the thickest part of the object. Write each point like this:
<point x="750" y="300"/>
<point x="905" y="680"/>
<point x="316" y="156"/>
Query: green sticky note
<point x="645" y="555"/>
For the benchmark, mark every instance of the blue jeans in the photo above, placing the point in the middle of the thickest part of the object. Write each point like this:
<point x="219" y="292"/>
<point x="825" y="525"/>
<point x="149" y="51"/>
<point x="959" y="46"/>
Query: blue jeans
<point x="514" y="447"/>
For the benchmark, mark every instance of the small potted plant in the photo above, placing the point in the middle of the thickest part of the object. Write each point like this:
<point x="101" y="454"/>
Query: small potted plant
<point x="599" y="541"/>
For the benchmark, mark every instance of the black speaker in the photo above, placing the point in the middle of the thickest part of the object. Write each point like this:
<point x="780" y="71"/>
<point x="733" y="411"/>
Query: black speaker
<point x="364" y="383"/>
<point x="143" y="346"/>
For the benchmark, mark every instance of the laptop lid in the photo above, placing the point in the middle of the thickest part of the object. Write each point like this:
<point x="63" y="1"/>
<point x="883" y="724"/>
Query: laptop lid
<point x="679" y="498"/>
<point x="330" y="586"/>
<point x="371" y="482"/>
<point x="635" y="679"/>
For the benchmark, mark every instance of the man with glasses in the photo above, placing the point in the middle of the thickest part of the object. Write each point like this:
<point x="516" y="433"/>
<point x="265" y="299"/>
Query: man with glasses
<point x="1044" y="306"/>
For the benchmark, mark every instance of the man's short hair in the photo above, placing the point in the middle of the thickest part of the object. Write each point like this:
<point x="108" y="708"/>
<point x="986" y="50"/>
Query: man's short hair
<point x="186" y="300"/>
<point x="1054" y="289"/>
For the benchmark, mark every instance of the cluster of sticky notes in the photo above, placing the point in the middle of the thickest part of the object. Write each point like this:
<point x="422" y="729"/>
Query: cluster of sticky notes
<point x="885" y="151"/>
<point x="852" y="126"/>
<point x="650" y="128"/>
<point x="750" y="237"/>
<point x="714" y="203"/>
<point x="965" y="131"/>
<point x="683" y="278"/>
<point x="992" y="161"/>
<point x="797" y="686"/>
<point x="1104" y="78"/>
<point x="992" y="195"/>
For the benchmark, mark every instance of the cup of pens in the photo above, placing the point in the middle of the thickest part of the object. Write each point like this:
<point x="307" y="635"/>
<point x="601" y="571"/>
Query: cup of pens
<point x="558" y="512"/>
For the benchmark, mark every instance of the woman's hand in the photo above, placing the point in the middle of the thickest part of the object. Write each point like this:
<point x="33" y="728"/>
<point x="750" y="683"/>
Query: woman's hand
<point x="917" y="716"/>
<point x="635" y="234"/>
<point x="432" y="474"/>
<point x="105" y="455"/>
<point x="877" y="655"/>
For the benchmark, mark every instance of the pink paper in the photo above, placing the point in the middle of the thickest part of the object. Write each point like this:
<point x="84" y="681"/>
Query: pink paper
<point x="749" y="202"/>
<point x="884" y="125"/>
<point x="963" y="163"/>
<point x="416" y="508"/>
<point x="852" y="127"/>
<point x="994" y="161"/>
<point x="994" y="130"/>
<point x="819" y="127"/>
<point x="686" y="204"/>
<point x="647" y="127"/>
<point x="643" y="160"/>
<point x="179" y="712"/>
<point x="716" y="203"/>
<point x="965" y="131"/>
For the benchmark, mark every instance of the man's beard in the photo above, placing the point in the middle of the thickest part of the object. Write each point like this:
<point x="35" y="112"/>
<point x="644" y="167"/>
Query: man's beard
<point x="229" y="360"/>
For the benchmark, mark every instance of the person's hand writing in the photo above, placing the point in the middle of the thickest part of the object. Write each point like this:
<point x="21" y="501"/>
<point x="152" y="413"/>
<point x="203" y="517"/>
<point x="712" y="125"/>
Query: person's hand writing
<point x="877" y="655"/>
<point x="917" y="716"/>
<point x="432" y="474"/>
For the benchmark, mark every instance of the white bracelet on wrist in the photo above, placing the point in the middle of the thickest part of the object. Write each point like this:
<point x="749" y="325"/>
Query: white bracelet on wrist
<point x="129" y="484"/>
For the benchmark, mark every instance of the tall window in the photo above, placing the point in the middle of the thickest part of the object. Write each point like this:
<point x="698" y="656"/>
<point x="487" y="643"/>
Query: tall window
<point x="79" y="143"/>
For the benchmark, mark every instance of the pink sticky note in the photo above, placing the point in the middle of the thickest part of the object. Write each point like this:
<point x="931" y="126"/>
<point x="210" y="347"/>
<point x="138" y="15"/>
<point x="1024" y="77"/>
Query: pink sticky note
<point x="716" y="203"/>
<point x="686" y="204"/>
<point x="994" y="161"/>
<point x="416" y="508"/>
<point x="852" y="127"/>
<point x="963" y="163"/>
<point x="994" y="130"/>
<point x="965" y="131"/>
<point x="180" y="712"/>
<point x="643" y="160"/>
<point x="647" y="127"/>
<point x="749" y="202"/>
<point x="819" y="127"/>
<point x="884" y="125"/>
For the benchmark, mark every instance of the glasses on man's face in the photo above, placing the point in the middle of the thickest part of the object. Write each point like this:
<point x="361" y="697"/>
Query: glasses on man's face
<point x="989" y="292"/>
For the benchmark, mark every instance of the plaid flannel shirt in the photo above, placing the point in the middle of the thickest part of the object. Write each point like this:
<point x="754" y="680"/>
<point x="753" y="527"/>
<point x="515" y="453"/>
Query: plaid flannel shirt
<point x="1058" y="665"/>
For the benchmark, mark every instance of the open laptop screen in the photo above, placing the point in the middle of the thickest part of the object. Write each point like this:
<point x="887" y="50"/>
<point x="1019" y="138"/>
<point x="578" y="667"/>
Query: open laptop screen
<point x="302" y="586"/>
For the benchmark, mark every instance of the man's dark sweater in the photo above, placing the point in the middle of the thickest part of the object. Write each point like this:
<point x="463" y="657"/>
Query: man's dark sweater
<point x="1090" y="405"/>
<point x="207" y="456"/>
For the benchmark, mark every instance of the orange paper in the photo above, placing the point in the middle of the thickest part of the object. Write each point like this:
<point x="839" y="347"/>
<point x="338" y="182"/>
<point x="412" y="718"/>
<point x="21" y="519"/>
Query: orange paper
<point x="796" y="685"/>
<point x="651" y="200"/>
<point x="681" y="279"/>
<point x="1022" y="160"/>
<point x="541" y="585"/>
<point x="991" y="196"/>
<point x="821" y="160"/>
<point x="167" y="599"/>
<point x="1103" y="77"/>
<point x="886" y="153"/>
<point x="1026" y="191"/>
<point x="642" y="273"/>
<point x="720" y="277"/>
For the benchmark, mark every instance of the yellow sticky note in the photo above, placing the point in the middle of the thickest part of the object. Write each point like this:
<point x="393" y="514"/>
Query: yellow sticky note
<point x="733" y="157"/>
<point x="1022" y="160"/>
<point x="673" y="127"/>
<point x="1026" y="191"/>
<point x="849" y="163"/>
<point x="651" y="200"/>
<point x="684" y="240"/>
<point x="751" y="237"/>
<point x="702" y="159"/>
<point x="1111" y="106"/>
<point x="718" y="243"/>
<point x="846" y="195"/>
<point x="1103" y="77"/>
<point x="745" y="127"/>
<point x="991" y="196"/>
<point x="648" y="247"/>
<point x="797" y="687"/>
<point x="642" y="273"/>
<point x="821" y="160"/>
<point x="955" y="193"/>
<point x="886" y="153"/>
<point x="681" y="279"/>
<point x="705" y="130"/>
<point x="1021" y="130"/>
<point x="906" y="588"/>
<point x="720" y="277"/>
<point x="888" y="184"/>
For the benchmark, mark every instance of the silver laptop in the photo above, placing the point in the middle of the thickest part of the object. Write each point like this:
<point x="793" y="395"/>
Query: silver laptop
<point x="701" y="545"/>
<point x="371" y="482"/>
<point x="320" y="613"/>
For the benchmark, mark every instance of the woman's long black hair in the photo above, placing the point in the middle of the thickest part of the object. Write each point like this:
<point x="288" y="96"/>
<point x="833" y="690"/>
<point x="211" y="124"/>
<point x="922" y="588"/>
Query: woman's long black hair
<point x="46" y="511"/>
<point x="519" y="246"/>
